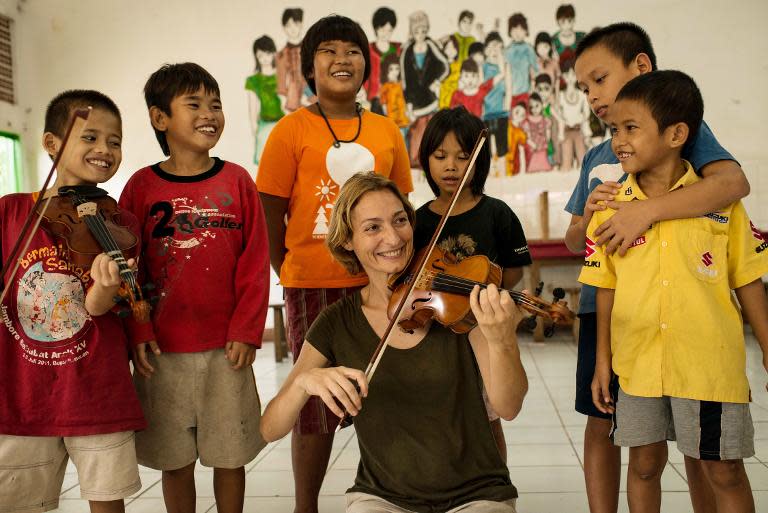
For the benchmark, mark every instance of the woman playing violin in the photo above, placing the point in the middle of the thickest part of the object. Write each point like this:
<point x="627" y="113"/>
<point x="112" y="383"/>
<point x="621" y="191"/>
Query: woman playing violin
<point x="425" y="442"/>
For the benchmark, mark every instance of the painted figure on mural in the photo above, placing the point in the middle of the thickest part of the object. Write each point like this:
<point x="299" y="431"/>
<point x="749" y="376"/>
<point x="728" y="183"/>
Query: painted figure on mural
<point x="290" y="83"/>
<point x="574" y="113"/>
<point x="547" y="58"/>
<point x="566" y="39"/>
<point x="472" y="91"/>
<point x="522" y="60"/>
<point x="451" y="82"/>
<point x="495" y="113"/>
<point x="517" y="139"/>
<point x="391" y="93"/>
<point x="539" y="131"/>
<point x="423" y="66"/>
<point x="384" y="23"/>
<point x="543" y="87"/>
<point x="264" y="104"/>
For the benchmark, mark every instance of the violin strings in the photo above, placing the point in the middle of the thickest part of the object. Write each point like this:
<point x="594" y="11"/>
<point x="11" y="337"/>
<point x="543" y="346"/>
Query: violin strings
<point x="101" y="232"/>
<point x="464" y="286"/>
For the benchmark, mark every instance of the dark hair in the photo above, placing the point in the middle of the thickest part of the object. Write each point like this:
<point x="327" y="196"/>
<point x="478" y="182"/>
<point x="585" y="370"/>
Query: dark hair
<point x="625" y="40"/>
<point x="476" y="47"/>
<point x="332" y="28"/>
<point x="534" y="97"/>
<point x="543" y="37"/>
<point x="517" y="20"/>
<point x="173" y="80"/>
<point x="453" y="40"/>
<point x="671" y="96"/>
<point x="469" y="66"/>
<point x="466" y="14"/>
<point x="386" y="62"/>
<point x="542" y="78"/>
<point x="264" y="44"/>
<point x="296" y="14"/>
<point x="565" y="11"/>
<point x="466" y="127"/>
<point x="493" y="36"/>
<point x="382" y="16"/>
<point x="60" y="109"/>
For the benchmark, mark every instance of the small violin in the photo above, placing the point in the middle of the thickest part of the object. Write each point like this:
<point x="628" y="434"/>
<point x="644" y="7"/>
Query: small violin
<point x="87" y="219"/>
<point x="443" y="288"/>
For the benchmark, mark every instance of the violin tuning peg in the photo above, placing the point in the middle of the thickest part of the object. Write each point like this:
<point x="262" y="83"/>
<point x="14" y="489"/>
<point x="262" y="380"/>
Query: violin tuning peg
<point x="558" y="293"/>
<point x="123" y="312"/>
<point x="549" y="330"/>
<point x="530" y="322"/>
<point x="539" y="288"/>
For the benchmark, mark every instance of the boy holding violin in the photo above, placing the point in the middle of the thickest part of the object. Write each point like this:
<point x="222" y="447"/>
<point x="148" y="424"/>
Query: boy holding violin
<point x="64" y="373"/>
<point x="205" y="249"/>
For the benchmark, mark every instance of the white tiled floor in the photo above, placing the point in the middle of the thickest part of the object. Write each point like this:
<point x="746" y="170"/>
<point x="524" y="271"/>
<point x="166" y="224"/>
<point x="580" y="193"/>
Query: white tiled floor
<point x="545" y="446"/>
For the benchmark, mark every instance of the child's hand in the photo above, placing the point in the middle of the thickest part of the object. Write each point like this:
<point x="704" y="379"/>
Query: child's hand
<point x="630" y="221"/>
<point x="606" y="191"/>
<point x="240" y="354"/>
<point x="601" y="391"/>
<point x="105" y="272"/>
<point x="140" y="361"/>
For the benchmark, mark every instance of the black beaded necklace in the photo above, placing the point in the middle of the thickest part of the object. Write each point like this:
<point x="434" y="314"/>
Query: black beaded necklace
<point x="336" y="141"/>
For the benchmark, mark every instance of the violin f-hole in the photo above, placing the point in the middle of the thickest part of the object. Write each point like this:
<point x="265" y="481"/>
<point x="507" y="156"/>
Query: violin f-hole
<point x="421" y="300"/>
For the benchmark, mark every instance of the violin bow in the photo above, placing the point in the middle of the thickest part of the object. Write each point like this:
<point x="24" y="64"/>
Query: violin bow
<point x="76" y="126"/>
<point x="378" y="353"/>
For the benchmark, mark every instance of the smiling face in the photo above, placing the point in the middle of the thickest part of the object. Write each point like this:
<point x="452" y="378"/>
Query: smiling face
<point x="93" y="157"/>
<point x="544" y="90"/>
<point x="518" y="34"/>
<point x="636" y="140"/>
<point x="600" y="74"/>
<point x="382" y="235"/>
<point x="534" y="106"/>
<point x="338" y="69"/>
<point x="195" y="124"/>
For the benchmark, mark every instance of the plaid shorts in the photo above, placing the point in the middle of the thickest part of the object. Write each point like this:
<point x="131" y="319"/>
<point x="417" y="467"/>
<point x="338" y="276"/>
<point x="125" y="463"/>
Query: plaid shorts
<point x="302" y="306"/>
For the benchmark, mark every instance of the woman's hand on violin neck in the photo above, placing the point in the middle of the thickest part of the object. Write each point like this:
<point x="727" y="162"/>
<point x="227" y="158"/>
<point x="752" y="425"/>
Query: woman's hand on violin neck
<point x="496" y="313"/>
<point x="336" y="386"/>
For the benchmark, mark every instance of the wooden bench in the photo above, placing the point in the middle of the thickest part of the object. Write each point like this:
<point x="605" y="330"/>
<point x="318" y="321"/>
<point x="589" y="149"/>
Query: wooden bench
<point x="281" y="344"/>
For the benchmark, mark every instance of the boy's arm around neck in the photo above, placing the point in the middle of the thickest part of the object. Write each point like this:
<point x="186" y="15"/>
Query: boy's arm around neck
<point x="724" y="183"/>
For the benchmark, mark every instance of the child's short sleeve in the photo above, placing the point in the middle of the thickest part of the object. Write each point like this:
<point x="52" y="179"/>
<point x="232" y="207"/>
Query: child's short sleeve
<point x="598" y="269"/>
<point x="278" y="164"/>
<point x="705" y="149"/>
<point x="401" y="165"/>
<point x="513" y="247"/>
<point x="747" y="249"/>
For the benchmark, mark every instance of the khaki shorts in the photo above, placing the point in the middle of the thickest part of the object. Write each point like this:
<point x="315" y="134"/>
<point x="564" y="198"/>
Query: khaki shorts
<point x="196" y="405"/>
<point x="366" y="503"/>
<point x="32" y="469"/>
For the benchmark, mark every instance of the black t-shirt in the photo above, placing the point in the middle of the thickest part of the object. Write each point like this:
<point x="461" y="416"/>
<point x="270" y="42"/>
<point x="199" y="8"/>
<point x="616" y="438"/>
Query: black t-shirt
<point x="490" y="228"/>
<point x="425" y="441"/>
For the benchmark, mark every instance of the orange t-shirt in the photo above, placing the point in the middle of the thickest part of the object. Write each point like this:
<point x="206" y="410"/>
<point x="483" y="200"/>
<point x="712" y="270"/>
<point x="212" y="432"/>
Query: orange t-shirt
<point x="391" y="94"/>
<point x="300" y="163"/>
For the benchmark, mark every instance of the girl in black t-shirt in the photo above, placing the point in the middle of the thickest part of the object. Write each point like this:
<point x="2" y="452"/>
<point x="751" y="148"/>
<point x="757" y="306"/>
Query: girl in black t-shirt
<point x="480" y="224"/>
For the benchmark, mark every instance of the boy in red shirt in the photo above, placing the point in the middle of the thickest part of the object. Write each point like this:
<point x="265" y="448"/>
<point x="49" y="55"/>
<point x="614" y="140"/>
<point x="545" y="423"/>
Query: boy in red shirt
<point x="205" y="249"/>
<point x="64" y="374"/>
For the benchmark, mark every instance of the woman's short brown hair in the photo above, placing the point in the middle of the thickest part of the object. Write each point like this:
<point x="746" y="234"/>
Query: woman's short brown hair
<point x="340" y="228"/>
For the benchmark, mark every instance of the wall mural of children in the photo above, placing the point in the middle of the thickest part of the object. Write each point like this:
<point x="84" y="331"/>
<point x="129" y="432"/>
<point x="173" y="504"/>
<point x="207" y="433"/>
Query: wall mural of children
<point x="574" y="113"/>
<point x="495" y="113"/>
<point x="264" y="104"/>
<point x="451" y="82"/>
<point x="543" y="87"/>
<point x="391" y="93"/>
<point x="384" y="22"/>
<point x="516" y="161"/>
<point x="471" y="93"/>
<point x="566" y="39"/>
<point x="521" y="59"/>
<point x="423" y="66"/>
<point x="290" y="83"/>
<point x="539" y="131"/>
<point x="547" y="58"/>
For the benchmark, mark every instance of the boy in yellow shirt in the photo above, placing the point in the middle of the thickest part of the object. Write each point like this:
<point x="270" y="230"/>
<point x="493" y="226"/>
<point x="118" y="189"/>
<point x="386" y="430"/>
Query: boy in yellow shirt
<point x="678" y="355"/>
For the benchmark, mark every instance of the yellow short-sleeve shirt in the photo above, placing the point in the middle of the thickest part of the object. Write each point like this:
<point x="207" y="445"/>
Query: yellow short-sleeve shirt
<point x="676" y="329"/>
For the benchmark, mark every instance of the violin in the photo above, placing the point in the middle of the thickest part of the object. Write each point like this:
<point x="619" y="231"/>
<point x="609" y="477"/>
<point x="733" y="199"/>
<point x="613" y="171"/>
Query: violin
<point x="87" y="219"/>
<point x="441" y="292"/>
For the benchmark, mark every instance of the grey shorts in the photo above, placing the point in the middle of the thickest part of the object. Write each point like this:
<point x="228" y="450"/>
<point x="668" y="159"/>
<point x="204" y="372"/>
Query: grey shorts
<point x="704" y="430"/>
<point x="366" y="503"/>
<point x="196" y="405"/>
<point x="32" y="469"/>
